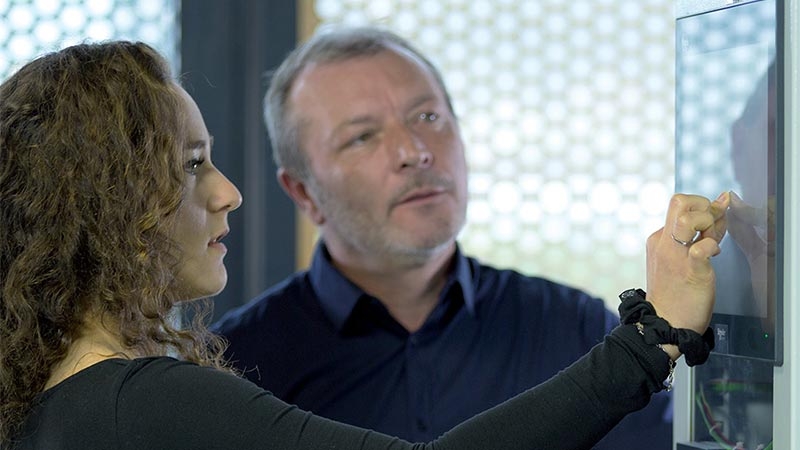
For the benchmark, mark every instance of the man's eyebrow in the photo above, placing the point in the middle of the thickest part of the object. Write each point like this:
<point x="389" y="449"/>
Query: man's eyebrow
<point x="415" y="102"/>
<point x="420" y="100"/>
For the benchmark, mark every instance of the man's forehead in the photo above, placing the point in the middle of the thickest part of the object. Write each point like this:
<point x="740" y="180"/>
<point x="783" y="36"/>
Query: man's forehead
<point x="318" y="72"/>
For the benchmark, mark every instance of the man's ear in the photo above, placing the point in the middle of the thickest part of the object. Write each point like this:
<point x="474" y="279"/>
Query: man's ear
<point x="298" y="191"/>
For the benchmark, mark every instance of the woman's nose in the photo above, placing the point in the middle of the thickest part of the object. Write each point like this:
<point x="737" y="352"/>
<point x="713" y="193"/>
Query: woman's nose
<point x="227" y="197"/>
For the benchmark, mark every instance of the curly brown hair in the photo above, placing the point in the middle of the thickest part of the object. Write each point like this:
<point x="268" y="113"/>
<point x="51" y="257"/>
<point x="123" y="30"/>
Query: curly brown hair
<point x="89" y="181"/>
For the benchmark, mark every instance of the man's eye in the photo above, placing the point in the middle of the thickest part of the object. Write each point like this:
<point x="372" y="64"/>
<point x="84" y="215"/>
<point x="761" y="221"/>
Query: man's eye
<point x="193" y="165"/>
<point x="428" y="117"/>
<point x="360" y="139"/>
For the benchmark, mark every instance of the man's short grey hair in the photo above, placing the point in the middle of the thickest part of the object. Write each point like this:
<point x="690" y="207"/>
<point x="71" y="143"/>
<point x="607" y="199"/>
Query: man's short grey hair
<point x="325" y="47"/>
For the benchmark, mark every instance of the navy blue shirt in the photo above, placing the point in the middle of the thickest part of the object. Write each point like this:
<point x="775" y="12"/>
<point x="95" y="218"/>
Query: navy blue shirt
<point x="318" y="341"/>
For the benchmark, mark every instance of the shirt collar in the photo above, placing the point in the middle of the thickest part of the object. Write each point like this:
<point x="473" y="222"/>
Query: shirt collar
<point x="338" y="296"/>
<point x="463" y="275"/>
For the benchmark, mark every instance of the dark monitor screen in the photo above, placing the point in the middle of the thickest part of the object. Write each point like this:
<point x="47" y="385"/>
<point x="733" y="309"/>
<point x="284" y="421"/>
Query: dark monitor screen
<point x="726" y="141"/>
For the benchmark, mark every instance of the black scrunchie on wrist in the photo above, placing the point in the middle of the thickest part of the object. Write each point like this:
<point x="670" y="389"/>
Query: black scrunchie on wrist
<point x="636" y="309"/>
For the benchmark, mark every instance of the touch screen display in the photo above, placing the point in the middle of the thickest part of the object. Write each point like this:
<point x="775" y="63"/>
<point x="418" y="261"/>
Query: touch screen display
<point x="726" y="141"/>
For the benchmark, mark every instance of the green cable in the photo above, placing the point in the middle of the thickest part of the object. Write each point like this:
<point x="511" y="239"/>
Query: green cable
<point x="711" y="431"/>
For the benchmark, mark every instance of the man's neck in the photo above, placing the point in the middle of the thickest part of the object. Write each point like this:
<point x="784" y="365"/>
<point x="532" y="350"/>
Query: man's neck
<point x="408" y="291"/>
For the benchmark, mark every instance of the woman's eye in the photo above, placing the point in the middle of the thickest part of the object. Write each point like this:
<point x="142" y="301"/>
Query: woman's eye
<point x="193" y="165"/>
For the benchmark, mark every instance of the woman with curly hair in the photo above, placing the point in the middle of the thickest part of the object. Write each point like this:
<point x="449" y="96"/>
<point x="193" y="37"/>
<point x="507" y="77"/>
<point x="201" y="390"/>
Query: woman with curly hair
<point x="112" y="215"/>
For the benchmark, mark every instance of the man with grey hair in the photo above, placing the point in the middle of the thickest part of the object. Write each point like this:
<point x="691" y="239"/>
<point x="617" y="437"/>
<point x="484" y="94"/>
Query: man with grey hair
<point x="392" y="327"/>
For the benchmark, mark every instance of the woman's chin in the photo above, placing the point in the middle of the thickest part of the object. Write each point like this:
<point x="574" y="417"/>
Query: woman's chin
<point x="209" y="288"/>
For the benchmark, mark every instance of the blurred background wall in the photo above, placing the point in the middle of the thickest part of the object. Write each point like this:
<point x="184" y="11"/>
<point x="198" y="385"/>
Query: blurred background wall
<point x="566" y="109"/>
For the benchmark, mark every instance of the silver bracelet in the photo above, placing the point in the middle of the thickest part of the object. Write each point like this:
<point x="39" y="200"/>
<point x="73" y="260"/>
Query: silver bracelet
<point x="670" y="380"/>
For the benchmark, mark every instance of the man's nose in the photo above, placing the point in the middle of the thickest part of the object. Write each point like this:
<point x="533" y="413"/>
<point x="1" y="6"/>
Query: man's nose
<point x="410" y="150"/>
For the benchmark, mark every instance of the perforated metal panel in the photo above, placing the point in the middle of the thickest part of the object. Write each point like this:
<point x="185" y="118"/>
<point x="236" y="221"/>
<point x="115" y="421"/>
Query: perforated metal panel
<point x="32" y="27"/>
<point x="568" y="118"/>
